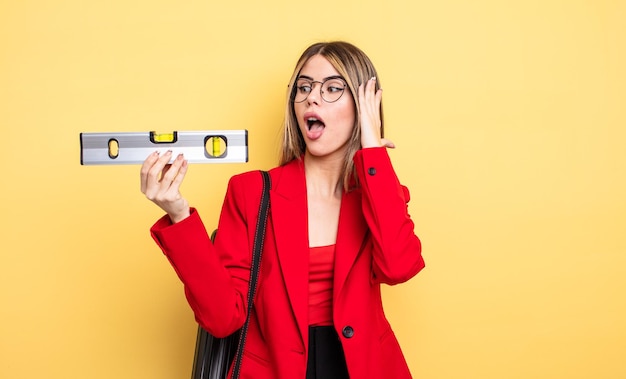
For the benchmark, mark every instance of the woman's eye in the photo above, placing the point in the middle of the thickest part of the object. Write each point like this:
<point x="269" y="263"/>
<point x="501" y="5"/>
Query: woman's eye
<point x="334" y="86"/>
<point x="304" y="89"/>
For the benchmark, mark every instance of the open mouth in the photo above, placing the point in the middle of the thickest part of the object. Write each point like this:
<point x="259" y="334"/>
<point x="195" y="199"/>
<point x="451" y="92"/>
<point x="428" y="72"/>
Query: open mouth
<point x="313" y="123"/>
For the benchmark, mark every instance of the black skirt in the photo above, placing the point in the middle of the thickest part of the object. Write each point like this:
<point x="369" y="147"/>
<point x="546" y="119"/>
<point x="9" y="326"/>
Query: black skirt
<point x="326" y="358"/>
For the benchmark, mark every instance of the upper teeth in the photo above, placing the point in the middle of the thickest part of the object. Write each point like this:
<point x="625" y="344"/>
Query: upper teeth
<point x="312" y="119"/>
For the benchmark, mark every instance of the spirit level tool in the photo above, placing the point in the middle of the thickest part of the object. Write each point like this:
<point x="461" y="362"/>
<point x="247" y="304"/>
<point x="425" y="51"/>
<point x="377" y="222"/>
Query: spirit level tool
<point x="208" y="146"/>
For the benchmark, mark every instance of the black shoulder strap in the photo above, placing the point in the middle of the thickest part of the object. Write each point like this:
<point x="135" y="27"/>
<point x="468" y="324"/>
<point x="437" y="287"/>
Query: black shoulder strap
<point x="259" y="238"/>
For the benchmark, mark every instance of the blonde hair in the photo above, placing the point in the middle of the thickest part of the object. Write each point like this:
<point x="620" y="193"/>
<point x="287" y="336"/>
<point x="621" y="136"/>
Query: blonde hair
<point x="356" y="68"/>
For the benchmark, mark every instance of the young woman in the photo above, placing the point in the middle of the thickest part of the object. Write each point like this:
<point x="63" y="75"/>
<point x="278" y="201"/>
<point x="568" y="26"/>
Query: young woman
<point x="338" y="228"/>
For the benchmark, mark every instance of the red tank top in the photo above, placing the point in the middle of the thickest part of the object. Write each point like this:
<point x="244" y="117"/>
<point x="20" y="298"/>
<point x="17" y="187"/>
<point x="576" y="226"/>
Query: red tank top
<point x="321" y="265"/>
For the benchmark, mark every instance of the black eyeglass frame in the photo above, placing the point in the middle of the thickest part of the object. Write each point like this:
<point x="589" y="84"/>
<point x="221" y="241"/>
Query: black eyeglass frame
<point x="312" y="82"/>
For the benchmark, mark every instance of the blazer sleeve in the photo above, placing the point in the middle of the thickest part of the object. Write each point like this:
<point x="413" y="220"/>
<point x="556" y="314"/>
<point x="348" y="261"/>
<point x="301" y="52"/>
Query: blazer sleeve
<point x="397" y="251"/>
<point x="215" y="275"/>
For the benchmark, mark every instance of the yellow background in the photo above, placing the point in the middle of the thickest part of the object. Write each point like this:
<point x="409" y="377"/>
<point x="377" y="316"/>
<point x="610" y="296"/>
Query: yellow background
<point x="509" y="117"/>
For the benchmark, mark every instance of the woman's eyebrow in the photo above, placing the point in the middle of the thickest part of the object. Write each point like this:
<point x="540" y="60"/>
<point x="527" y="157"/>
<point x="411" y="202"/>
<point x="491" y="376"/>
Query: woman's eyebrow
<point x="326" y="78"/>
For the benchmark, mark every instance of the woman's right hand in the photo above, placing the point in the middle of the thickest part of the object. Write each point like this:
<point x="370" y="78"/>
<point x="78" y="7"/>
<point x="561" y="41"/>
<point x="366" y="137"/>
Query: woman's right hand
<point x="160" y="182"/>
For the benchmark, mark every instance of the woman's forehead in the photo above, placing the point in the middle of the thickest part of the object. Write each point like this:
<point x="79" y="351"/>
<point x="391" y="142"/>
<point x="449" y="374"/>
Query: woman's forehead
<point x="318" y="67"/>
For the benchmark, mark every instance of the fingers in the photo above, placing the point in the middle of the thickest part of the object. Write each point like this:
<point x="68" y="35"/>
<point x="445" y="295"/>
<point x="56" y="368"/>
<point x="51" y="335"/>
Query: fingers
<point x="369" y="96"/>
<point x="171" y="178"/>
<point x="158" y="176"/>
<point x="145" y="169"/>
<point x="369" y="107"/>
<point x="151" y="171"/>
<point x="161" y="181"/>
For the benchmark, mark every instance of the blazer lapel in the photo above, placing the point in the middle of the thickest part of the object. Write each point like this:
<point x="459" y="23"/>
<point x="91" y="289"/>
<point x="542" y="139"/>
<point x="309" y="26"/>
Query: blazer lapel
<point x="290" y="223"/>
<point x="350" y="235"/>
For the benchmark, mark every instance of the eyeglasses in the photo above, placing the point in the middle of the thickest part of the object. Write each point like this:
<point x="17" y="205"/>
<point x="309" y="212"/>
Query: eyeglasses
<point x="331" y="89"/>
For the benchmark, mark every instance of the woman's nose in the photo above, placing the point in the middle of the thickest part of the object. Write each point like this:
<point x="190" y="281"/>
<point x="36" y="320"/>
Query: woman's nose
<point x="316" y="93"/>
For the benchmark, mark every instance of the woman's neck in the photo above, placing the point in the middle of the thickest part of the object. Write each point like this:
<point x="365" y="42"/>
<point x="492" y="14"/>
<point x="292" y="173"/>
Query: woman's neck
<point x="323" y="176"/>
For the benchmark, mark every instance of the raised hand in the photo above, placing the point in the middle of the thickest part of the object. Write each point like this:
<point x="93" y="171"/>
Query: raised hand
<point x="369" y="107"/>
<point x="160" y="182"/>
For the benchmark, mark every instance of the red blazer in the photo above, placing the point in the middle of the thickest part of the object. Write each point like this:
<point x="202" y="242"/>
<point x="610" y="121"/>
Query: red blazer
<point x="375" y="244"/>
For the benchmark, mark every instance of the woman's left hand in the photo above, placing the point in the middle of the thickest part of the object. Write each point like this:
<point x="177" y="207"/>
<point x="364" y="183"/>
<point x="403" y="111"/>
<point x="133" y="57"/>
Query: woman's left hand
<point x="369" y="104"/>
